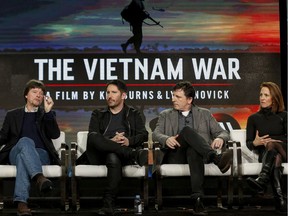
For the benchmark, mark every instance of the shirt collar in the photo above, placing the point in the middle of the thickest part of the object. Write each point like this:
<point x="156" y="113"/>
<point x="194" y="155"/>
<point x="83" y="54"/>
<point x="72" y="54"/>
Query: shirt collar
<point x="34" y="110"/>
<point x="185" y="113"/>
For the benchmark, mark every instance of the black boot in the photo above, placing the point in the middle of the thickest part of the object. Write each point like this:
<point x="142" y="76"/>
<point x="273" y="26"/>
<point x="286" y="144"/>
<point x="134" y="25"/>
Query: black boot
<point x="108" y="206"/>
<point x="260" y="184"/>
<point x="280" y="200"/>
<point x="140" y="156"/>
<point x="198" y="207"/>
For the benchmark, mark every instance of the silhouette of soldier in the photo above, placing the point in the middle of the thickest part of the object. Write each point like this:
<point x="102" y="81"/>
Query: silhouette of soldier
<point x="137" y="15"/>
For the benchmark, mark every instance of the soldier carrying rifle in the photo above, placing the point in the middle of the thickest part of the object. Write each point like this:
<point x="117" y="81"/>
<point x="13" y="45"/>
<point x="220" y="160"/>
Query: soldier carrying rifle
<point x="135" y="14"/>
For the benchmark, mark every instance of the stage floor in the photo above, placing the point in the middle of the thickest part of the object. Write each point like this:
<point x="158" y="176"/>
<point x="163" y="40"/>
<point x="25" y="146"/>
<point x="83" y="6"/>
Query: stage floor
<point x="171" y="211"/>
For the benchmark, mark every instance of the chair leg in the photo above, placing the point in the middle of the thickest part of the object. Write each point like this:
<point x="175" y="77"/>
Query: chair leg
<point x="239" y="174"/>
<point x="146" y="187"/>
<point x="63" y="191"/>
<point x="230" y="192"/>
<point x="219" y="193"/>
<point x="240" y="192"/>
<point x="159" y="192"/>
<point x="1" y="195"/>
<point x="74" y="195"/>
<point x="145" y="193"/>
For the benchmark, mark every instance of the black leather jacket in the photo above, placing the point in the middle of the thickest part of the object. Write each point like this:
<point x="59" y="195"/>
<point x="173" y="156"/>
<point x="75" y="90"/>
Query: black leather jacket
<point x="137" y="133"/>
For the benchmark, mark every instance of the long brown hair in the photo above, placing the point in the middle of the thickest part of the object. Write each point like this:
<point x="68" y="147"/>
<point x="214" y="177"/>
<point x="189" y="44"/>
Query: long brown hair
<point x="276" y="94"/>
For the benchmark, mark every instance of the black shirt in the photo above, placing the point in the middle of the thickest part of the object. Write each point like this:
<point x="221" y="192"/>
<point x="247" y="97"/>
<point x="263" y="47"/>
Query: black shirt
<point x="266" y="123"/>
<point x="116" y="124"/>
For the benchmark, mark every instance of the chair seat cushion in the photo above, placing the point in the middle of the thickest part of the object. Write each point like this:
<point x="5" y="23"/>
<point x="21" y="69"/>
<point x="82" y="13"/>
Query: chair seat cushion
<point x="133" y="171"/>
<point x="174" y="170"/>
<point x="130" y="171"/>
<point x="183" y="170"/>
<point x="213" y="170"/>
<point x="52" y="171"/>
<point x="255" y="168"/>
<point x="9" y="171"/>
<point x="251" y="168"/>
<point x="90" y="171"/>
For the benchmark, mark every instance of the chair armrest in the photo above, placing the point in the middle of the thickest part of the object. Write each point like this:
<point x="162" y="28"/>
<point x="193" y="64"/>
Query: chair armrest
<point x="74" y="146"/>
<point x="73" y="153"/>
<point x="156" y="154"/>
<point x="237" y="157"/>
<point x="64" y="154"/>
<point x="233" y="144"/>
<point x="64" y="159"/>
<point x="145" y="145"/>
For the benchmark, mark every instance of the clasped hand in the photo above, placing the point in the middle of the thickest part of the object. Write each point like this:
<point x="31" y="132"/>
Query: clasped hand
<point x="121" y="139"/>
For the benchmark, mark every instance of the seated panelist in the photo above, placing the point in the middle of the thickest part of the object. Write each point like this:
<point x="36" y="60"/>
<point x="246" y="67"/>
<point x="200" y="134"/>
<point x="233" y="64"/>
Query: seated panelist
<point x="267" y="135"/>
<point x="190" y="134"/>
<point x="115" y="138"/>
<point x="26" y="142"/>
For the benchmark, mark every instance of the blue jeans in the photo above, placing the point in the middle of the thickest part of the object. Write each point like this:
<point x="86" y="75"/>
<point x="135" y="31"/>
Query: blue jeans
<point x="28" y="161"/>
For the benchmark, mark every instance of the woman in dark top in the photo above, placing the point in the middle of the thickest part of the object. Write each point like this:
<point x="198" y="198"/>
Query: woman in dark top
<point x="267" y="135"/>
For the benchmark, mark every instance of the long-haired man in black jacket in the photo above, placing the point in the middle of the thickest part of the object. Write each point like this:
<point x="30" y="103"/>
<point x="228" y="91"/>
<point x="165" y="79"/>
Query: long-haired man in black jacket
<point x="116" y="134"/>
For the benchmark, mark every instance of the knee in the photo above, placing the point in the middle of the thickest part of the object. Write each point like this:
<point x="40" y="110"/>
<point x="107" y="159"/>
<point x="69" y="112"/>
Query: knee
<point x="93" y="138"/>
<point x="25" y="142"/>
<point x="270" y="146"/>
<point x="187" y="130"/>
<point x="112" y="160"/>
<point x="273" y="146"/>
<point x="272" y="150"/>
<point x="92" y="135"/>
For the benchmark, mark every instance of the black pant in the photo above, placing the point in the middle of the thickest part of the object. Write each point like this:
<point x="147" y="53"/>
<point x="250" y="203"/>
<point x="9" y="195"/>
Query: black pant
<point x="101" y="150"/>
<point x="194" y="150"/>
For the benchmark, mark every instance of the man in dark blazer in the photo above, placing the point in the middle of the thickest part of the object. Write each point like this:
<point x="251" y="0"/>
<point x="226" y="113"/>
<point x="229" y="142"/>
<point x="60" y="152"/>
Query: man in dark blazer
<point x="25" y="141"/>
<point x="190" y="134"/>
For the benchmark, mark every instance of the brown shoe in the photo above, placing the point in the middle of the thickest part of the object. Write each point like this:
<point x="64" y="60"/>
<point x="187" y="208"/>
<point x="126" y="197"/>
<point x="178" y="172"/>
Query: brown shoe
<point x="23" y="210"/>
<point x="224" y="160"/>
<point x="44" y="185"/>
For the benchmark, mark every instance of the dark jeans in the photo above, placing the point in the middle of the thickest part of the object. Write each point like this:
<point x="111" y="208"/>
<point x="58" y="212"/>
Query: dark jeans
<point x="194" y="150"/>
<point x="101" y="150"/>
